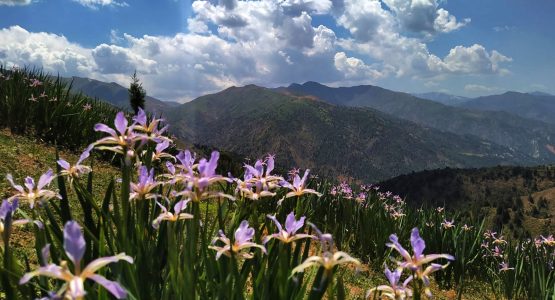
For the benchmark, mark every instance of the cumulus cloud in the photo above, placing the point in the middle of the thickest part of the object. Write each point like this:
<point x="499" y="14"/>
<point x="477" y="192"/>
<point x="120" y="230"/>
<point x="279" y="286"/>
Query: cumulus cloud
<point x="112" y="59"/>
<point x="268" y="42"/>
<point x="15" y="2"/>
<point x="378" y="33"/>
<point x="354" y="68"/>
<point x="424" y="16"/>
<point x="95" y="4"/>
<point x="475" y="60"/>
<point x="53" y="52"/>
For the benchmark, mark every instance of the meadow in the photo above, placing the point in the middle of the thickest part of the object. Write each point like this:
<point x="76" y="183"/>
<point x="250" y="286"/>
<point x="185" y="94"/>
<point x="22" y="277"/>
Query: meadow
<point x="173" y="225"/>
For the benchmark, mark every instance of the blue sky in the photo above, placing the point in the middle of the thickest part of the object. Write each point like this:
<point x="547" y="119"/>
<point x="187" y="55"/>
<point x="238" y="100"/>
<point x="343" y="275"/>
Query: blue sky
<point x="183" y="49"/>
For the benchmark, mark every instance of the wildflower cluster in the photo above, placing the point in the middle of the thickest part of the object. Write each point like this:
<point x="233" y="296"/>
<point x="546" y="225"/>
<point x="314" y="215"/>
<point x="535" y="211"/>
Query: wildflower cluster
<point x="34" y="103"/>
<point x="153" y="197"/>
<point x="494" y="246"/>
<point x="171" y="226"/>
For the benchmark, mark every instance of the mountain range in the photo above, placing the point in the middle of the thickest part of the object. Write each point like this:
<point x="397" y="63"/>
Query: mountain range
<point x="536" y="106"/>
<point x="356" y="142"/>
<point x="527" y="136"/>
<point x="364" y="132"/>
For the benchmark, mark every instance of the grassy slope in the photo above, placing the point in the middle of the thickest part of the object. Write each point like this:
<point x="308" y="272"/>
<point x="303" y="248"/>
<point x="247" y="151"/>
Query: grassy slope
<point x="22" y="156"/>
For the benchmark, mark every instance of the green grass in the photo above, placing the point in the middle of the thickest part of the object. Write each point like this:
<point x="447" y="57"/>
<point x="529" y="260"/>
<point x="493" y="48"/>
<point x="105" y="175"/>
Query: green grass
<point x="24" y="156"/>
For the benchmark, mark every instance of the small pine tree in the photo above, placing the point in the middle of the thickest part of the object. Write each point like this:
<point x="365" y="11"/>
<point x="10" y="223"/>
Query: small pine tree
<point x="137" y="94"/>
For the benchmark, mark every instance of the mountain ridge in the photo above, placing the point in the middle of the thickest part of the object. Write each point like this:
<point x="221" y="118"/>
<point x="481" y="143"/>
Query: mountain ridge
<point x="309" y="133"/>
<point x="528" y="136"/>
<point x="540" y="107"/>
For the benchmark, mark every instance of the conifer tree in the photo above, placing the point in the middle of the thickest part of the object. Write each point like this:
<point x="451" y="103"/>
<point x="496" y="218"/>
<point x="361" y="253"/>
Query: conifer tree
<point x="137" y="94"/>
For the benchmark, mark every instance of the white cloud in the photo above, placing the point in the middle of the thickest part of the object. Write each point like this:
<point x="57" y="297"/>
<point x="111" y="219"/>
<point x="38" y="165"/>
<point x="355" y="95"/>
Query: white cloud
<point x="115" y="37"/>
<point x="95" y="4"/>
<point x="424" y="16"/>
<point x="354" y="68"/>
<point x="296" y="7"/>
<point x="378" y="33"/>
<point x="53" y="52"/>
<point x="445" y="22"/>
<point x="112" y="59"/>
<point x="475" y="60"/>
<point x="323" y="41"/>
<point x="267" y="42"/>
<point x="478" y="88"/>
<point x="15" y="2"/>
<point x="365" y="20"/>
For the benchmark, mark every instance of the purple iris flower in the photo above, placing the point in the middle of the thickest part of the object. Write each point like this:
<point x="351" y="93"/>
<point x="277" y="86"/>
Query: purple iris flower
<point x="177" y="213"/>
<point x="159" y="151"/>
<point x="74" y="246"/>
<point x="258" y="169"/>
<point x="207" y="170"/>
<point x="121" y="140"/>
<point x="150" y="130"/>
<point x="34" y="192"/>
<point x="328" y="258"/>
<point x="187" y="160"/>
<point x="298" y="186"/>
<point x="258" y="181"/>
<point x="393" y="290"/>
<point x="197" y="183"/>
<point x="289" y="234"/>
<point x="243" y="240"/>
<point x="78" y="169"/>
<point x="146" y="183"/>
<point x="415" y="263"/>
<point x="7" y="210"/>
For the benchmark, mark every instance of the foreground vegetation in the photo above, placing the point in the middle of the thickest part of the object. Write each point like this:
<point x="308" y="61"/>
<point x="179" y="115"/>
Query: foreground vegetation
<point x="169" y="226"/>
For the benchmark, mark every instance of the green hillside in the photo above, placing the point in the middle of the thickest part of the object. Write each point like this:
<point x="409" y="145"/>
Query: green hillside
<point x="530" y="137"/>
<point x="536" y="106"/>
<point x="24" y="156"/>
<point x="333" y="140"/>
<point x="509" y="197"/>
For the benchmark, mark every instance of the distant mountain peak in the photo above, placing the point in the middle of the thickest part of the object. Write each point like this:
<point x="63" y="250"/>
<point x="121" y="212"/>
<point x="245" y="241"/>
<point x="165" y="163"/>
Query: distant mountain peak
<point x="309" y="84"/>
<point x="512" y="93"/>
<point x="314" y="83"/>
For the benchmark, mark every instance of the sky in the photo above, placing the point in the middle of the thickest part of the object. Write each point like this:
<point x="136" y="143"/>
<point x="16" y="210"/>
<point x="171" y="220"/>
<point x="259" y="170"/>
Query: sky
<point x="184" y="49"/>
